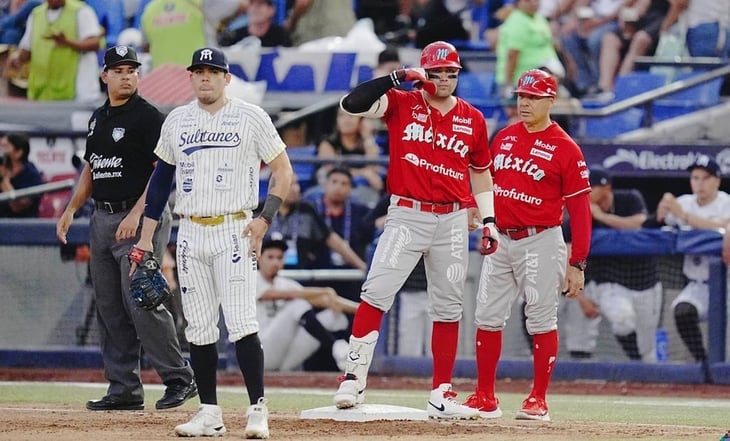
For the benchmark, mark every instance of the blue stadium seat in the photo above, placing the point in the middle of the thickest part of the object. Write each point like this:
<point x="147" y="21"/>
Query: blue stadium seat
<point x="688" y="100"/>
<point x="608" y="127"/>
<point x="628" y="86"/>
<point x="476" y="86"/>
<point x="634" y="83"/>
<point x="480" y="90"/>
<point x="305" y="171"/>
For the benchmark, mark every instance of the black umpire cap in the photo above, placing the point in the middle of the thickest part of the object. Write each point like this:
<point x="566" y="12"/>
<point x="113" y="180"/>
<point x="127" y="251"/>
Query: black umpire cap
<point x="120" y="55"/>
<point x="707" y="163"/>
<point x="599" y="177"/>
<point x="209" y="56"/>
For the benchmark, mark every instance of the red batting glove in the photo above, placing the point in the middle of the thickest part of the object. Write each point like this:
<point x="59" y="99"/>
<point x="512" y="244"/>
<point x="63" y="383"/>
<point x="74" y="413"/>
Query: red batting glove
<point x="418" y="75"/>
<point x="489" y="240"/>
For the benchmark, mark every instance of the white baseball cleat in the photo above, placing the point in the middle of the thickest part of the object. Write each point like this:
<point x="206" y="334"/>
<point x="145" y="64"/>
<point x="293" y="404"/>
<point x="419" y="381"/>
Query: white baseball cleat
<point x="207" y="422"/>
<point x="348" y="395"/>
<point x="257" y="424"/>
<point x="441" y="404"/>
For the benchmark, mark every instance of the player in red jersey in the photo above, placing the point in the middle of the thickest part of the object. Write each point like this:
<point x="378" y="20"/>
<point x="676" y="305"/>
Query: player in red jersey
<point x="438" y="156"/>
<point x="538" y="169"/>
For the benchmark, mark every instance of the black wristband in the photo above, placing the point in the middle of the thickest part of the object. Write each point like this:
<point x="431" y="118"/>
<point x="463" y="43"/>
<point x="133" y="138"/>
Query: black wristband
<point x="489" y="220"/>
<point x="271" y="206"/>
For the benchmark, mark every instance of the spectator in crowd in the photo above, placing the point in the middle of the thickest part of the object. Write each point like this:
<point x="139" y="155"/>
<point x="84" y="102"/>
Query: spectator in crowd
<point x="61" y="33"/>
<point x="353" y="135"/>
<point x="314" y="19"/>
<point x="706" y="22"/>
<point x="341" y="213"/>
<point x="295" y="320"/>
<point x="261" y="24"/>
<point x="17" y="172"/>
<point x="583" y="43"/>
<point x="706" y="208"/>
<point x="174" y="28"/>
<point x="638" y="32"/>
<point x="130" y="9"/>
<point x="388" y="61"/>
<point x="309" y="239"/>
<point x="12" y="26"/>
<point x="624" y="289"/>
<point x="443" y="20"/>
<point x="384" y="13"/>
<point x="525" y="42"/>
<point x="111" y="18"/>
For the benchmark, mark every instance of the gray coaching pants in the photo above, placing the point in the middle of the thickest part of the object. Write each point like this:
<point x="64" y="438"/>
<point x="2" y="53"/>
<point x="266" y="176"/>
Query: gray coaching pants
<point x="123" y="328"/>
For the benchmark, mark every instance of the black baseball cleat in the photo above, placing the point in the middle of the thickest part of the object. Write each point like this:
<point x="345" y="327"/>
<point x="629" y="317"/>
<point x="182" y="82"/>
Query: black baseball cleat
<point x="176" y="394"/>
<point x="115" y="402"/>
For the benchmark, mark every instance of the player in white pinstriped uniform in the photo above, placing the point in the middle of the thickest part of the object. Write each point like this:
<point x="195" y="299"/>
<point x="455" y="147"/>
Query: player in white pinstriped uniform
<point x="213" y="147"/>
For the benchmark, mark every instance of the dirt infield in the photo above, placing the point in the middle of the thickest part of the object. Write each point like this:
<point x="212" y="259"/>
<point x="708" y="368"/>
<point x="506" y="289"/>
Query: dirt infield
<point x="73" y="423"/>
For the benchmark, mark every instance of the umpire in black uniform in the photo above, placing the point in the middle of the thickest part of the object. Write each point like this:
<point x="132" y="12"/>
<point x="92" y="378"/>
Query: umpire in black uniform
<point x="119" y="158"/>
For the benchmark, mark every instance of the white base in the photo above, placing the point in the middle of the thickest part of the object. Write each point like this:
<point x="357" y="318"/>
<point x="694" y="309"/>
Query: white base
<point x="364" y="412"/>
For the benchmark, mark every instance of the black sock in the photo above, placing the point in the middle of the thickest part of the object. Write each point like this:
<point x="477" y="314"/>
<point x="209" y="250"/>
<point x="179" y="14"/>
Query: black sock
<point x="250" y="356"/>
<point x="311" y="324"/>
<point x="688" y="326"/>
<point x="630" y="345"/>
<point x="204" y="361"/>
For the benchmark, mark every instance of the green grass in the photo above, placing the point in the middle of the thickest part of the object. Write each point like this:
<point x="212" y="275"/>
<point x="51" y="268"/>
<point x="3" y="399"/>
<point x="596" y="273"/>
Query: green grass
<point x="670" y="411"/>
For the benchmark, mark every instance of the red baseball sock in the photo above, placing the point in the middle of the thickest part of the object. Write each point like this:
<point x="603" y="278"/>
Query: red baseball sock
<point x="489" y="350"/>
<point x="545" y="352"/>
<point x="444" y="341"/>
<point x="367" y="319"/>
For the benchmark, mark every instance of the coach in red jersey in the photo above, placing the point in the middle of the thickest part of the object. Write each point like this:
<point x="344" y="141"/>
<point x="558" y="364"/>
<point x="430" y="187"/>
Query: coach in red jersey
<point x="438" y="155"/>
<point x="538" y="169"/>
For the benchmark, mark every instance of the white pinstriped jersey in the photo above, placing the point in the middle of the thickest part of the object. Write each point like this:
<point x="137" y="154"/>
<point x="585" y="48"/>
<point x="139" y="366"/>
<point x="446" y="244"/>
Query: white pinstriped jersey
<point x="217" y="156"/>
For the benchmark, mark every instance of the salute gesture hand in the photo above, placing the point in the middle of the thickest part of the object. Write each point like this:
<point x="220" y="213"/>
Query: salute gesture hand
<point x="416" y="74"/>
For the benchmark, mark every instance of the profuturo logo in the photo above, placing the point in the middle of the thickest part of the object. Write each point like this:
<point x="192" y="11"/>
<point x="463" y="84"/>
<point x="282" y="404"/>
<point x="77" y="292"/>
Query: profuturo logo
<point x="412" y="158"/>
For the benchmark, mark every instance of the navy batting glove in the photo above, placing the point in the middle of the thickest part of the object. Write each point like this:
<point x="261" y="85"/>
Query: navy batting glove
<point x="489" y="240"/>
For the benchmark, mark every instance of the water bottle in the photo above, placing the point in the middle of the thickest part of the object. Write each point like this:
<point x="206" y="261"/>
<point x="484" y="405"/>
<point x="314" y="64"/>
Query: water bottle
<point x="662" y="345"/>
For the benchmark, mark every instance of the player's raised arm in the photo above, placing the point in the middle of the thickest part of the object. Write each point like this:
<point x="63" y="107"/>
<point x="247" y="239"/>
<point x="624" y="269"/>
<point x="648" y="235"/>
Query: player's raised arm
<point x="369" y="99"/>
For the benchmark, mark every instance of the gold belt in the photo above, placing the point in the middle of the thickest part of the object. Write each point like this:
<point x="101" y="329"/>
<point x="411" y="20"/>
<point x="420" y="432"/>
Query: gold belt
<point x="211" y="221"/>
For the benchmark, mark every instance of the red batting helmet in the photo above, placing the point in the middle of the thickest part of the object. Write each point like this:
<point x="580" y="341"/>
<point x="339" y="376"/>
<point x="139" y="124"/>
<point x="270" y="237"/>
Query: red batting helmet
<point x="538" y="83"/>
<point x="440" y="54"/>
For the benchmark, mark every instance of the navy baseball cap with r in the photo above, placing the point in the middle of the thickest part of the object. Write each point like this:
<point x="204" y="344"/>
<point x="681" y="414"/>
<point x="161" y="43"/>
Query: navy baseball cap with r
<point x="707" y="163"/>
<point x="209" y="56"/>
<point x="120" y="55"/>
<point x="599" y="177"/>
